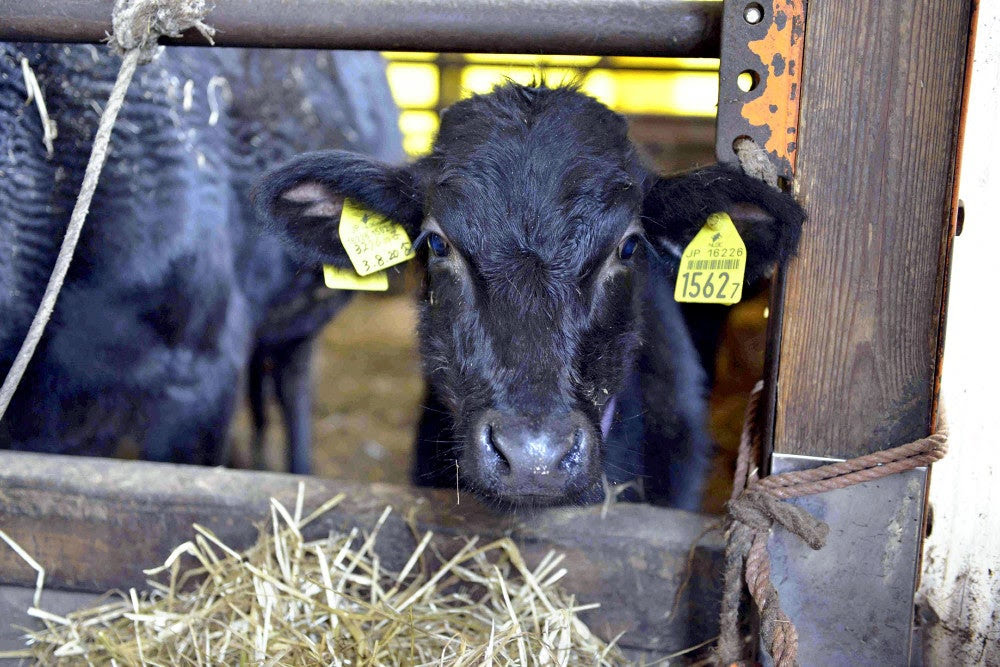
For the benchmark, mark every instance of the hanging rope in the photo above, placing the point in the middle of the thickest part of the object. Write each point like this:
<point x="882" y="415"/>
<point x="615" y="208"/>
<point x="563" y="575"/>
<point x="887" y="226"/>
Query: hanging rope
<point x="136" y="27"/>
<point x="758" y="503"/>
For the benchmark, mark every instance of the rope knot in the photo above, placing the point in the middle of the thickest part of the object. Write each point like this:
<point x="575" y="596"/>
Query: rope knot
<point x="759" y="510"/>
<point x="758" y="503"/>
<point x="138" y="24"/>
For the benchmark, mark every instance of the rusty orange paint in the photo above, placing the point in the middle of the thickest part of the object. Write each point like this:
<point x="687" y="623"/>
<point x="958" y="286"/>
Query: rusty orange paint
<point x="780" y="53"/>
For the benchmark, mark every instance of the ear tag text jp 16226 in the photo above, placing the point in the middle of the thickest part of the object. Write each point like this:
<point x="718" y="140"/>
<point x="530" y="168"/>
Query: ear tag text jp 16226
<point x="713" y="264"/>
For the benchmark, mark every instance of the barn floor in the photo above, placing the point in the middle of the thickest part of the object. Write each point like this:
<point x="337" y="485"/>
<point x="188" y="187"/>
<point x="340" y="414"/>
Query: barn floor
<point x="368" y="391"/>
<point x="367" y="387"/>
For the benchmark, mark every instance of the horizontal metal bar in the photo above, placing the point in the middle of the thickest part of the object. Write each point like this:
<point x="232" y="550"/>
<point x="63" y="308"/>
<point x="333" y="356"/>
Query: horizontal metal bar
<point x="601" y="27"/>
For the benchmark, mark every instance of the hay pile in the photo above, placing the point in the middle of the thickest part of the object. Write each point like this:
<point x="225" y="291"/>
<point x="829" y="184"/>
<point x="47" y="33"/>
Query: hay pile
<point x="290" y="601"/>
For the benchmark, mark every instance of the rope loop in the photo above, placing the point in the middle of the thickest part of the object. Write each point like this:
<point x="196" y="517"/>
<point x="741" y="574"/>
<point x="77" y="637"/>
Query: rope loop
<point x="759" y="510"/>
<point x="137" y="25"/>
<point x="757" y="504"/>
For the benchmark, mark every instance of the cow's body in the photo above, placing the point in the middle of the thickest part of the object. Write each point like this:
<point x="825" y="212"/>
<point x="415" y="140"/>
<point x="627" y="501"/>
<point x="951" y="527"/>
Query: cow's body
<point x="553" y="348"/>
<point x="172" y="293"/>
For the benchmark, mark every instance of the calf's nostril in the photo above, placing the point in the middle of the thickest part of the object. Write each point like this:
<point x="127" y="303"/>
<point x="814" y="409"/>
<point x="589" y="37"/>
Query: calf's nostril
<point x="494" y="447"/>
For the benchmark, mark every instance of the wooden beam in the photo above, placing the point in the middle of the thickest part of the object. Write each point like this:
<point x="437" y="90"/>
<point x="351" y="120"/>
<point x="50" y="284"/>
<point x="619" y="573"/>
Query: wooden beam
<point x="94" y="524"/>
<point x="878" y="133"/>
<point x="861" y="331"/>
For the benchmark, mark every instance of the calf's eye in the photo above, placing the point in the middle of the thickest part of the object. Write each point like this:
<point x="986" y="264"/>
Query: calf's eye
<point x="438" y="245"/>
<point x="627" y="248"/>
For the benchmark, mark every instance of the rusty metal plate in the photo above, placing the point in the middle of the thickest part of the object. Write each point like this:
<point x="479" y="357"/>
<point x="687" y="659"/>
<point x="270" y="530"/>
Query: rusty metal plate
<point x="762" y="41"/>
<point x="852" y="600"/>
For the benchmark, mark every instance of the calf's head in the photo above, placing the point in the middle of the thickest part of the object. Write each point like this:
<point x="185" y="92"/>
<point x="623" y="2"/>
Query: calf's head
<point x="542" y="232"/>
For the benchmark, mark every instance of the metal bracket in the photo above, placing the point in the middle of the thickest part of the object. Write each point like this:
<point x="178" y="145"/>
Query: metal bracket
<point x="852" y="601"/>
<point x="760" y="76"/>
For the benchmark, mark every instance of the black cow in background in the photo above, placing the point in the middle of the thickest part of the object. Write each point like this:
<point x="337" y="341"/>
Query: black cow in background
<point x="174" y="302"/>
<point x="553" y="347"/>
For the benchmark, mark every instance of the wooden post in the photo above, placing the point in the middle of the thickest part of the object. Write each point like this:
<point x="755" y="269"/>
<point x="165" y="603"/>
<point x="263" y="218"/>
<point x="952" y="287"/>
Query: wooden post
<point x="862" y="326"/>
<point x="861" y="334"/>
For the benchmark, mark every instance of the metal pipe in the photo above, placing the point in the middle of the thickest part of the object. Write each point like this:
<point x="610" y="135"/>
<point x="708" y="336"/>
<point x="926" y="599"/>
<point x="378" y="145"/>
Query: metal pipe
<point x="601" y="27"/>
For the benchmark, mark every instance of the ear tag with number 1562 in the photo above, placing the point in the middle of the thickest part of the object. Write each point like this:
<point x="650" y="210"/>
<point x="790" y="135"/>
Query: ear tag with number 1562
<point x="713" y="264"/>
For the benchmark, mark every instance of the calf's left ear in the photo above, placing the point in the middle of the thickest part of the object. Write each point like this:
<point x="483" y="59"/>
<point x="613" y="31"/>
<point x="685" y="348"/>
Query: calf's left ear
<point x="301" y="200"/>
<point x="674" y="208"/>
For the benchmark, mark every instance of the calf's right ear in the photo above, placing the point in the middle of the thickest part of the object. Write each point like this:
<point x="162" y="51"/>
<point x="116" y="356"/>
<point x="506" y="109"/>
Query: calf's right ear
<point x="301" y="200"/>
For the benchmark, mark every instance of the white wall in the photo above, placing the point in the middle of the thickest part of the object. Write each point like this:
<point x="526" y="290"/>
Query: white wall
<point x="961" y="583"/>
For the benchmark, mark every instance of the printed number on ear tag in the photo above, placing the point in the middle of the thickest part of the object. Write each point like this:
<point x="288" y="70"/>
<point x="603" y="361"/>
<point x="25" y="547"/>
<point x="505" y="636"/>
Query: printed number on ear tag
<point x="338" y="278"/>
<point x="373" y="242"/>
<point x="713" y="264"/>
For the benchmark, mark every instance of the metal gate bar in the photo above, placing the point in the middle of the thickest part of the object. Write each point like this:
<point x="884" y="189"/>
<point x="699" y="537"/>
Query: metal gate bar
<point x="601" y="27"/>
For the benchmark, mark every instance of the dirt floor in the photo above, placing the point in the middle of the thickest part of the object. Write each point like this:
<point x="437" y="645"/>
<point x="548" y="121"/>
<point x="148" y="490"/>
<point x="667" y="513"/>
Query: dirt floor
<point x="368" y="391"/>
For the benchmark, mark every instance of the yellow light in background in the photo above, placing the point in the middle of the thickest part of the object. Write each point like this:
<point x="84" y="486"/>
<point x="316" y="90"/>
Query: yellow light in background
<point x="667" y="93"/>
<point x="531" y="59"/>
<point x="483" y="78"/>
<point x="413" y="84"/>
<point x="418" y="128"/>
<point x="601" y="85"/>
<point x="640" y="62"/>
<point x="409" y="55"/>
<point x="654" y="86"/>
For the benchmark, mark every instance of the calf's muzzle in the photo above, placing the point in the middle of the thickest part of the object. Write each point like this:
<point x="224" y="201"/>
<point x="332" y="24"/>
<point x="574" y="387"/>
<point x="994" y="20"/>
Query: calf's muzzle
<point x="534" y="456"/>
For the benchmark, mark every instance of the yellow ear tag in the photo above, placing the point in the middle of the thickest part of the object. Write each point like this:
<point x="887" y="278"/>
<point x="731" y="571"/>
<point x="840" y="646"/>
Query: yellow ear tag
<point x="713" y="264"/>
<point x="338" y="278"/>
<point x="373" y="242"/>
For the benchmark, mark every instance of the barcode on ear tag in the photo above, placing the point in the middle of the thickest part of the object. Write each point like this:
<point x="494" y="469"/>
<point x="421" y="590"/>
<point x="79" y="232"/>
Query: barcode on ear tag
<point x="713" y="264"/>
<point x="373" y="242"/>
<point x="338" y="278"/>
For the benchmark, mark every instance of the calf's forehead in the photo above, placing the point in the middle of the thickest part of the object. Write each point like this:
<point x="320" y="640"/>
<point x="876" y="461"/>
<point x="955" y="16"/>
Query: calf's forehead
<point x="537" y="175"/>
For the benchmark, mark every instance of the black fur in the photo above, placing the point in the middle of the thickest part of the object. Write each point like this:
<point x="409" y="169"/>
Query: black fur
<point x="533" y="312"/>
<point x="172" y="291"/>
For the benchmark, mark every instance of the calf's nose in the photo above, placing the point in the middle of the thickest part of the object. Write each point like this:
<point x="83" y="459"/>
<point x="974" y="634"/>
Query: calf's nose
<point x="536" y="456"/>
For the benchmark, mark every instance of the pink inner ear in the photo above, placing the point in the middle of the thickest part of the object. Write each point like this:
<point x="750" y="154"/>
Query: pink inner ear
<point x="321" y="201"/>
<point x="747" y="213"/>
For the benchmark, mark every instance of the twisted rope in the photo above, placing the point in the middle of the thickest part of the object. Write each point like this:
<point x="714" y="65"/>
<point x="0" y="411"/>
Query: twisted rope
<point x="136" y="26"/>
<point x="757" y="504"/>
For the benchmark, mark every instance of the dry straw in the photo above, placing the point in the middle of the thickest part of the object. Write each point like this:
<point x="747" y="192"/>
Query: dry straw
<point x="290" y="601"/>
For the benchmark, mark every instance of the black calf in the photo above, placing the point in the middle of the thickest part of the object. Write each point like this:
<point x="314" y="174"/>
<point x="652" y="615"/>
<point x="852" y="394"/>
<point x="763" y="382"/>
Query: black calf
<point x="172" y="290"/>
<point x="553" y="348"/>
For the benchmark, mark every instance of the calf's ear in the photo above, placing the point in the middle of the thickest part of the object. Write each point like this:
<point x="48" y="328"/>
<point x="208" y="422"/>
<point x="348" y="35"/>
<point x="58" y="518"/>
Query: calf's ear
<point x="301" y="200"/>
<point x="770" y="222"/>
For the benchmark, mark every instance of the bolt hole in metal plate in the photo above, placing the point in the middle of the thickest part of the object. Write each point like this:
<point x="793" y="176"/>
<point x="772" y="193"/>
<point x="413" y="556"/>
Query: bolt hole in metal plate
<point x="747" y="80"/>
<point x="759" y="78"/>
<point x="852" y="601"/>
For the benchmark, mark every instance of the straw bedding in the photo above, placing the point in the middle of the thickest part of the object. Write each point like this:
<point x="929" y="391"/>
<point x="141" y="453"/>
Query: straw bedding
<point x="291" y="601"/>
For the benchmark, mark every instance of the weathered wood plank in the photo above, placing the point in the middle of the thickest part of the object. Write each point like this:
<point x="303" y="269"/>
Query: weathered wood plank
<point x="94" y="524"/>
<point x="862" y="324"/>
<point x="861" y="331"/>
